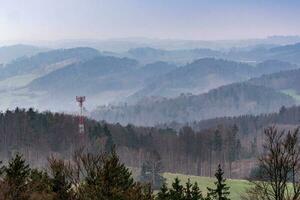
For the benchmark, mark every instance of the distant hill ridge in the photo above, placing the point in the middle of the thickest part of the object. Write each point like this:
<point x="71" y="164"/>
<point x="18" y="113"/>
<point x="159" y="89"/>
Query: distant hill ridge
<point x="229" y="100"/>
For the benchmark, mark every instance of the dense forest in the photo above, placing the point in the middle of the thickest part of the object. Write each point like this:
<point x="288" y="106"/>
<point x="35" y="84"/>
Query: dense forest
<point x="38" y="135"/>
<point x="193" y="148"/>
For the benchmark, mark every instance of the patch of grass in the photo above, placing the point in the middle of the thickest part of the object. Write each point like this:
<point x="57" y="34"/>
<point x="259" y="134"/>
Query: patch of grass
<point x="237" y="187"/>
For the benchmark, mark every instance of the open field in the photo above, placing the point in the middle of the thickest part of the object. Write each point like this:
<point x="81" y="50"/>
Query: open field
<point x="237" y="187"/>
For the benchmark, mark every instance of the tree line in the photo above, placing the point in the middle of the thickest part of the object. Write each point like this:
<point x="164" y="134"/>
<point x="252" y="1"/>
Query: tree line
<point x="87" y="176"/>
<point x="37" y="135"/>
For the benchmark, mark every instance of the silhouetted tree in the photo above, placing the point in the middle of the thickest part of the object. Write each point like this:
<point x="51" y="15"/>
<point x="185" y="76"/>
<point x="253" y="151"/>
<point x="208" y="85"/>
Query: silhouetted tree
<point x="221" y="192"/>
<point x="163" y="193"/>
<point x="279" y="167"/>
<point x="177" y="190"/>
<point x="60" y="179"/>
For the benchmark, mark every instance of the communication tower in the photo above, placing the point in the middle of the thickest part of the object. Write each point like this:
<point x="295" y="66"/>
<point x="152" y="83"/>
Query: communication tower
<point x="80" y="100"/>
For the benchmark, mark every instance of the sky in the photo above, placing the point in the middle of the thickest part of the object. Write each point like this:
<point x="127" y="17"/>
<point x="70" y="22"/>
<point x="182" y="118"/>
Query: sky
<point x="28" y="20"/>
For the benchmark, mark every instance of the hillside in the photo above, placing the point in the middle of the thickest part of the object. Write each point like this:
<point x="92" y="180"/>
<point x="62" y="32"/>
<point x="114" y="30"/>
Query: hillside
<point x="54" y="77"/>
<point x="251" y="53"/>
<point x="46" y="61"/>
<point x="16" y="75"/>
<point x="229" y="100"/>
<point x="103" y="79"/>
<point x="247" y="124"/>
<point x="86" y="77"/>
<point x="180" y="57"/>
<point x="10" y="53"/>
<point x="206" y="74"/>
<point x="286" y="81"/>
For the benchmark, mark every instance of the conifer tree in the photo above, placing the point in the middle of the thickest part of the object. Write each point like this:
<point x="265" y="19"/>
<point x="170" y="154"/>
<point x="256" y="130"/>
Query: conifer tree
<point x="163" y="193"/>
<point x="188" y="190"/>
<point x="196" y="193"/>
<point x="221" y="192"/>
<point x="60" y="183"/>
<point x="16" y="177"/>
<point x="177" y="192"/>
<point x="115" y="176"/>
<point x="108" y="178"/>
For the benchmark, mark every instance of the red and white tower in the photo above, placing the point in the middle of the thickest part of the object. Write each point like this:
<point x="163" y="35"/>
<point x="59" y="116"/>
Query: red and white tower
<point x="80" y="100"/>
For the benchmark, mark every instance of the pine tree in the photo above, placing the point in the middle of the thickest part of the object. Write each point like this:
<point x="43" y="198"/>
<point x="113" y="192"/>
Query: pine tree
<point x="16" y="177"/>
<point x="177" y="192"/>
<point x="60" y="183"/>
<point x="196" y="193"/>
<point x="221" y="192"/>
<point x="163" y="194"/>
<point x="188" y="190"/>
<point x="108" y="178"/>
<point x="114" y="176"/>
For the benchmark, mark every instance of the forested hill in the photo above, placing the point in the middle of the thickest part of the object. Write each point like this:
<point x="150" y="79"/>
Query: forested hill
<point x="38" y="135"/>
<point x="286" y="81"/>
<point x="46" y="61"/>
<point x="9" y="53"/>
<point x="229" y="100"/>
<point x="247" y="124"/>
<point x="205" y="74"/>
<point x="101" y="73"/>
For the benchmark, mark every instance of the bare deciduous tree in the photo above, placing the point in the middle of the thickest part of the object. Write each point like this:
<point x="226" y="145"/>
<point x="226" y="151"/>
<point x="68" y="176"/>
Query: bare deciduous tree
<point x="279" y="167"/>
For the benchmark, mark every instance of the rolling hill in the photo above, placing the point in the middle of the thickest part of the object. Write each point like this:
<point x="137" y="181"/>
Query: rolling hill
<point x="10" y="53"/>
<point x="249" y="54"/>
<point x="56" y="76"/>
<point x="229" y="100"/>
<point x="206" y="74"/>
<point x="46" y="62"/>
<point x="285" y="81"/>
<point x="98" y="74"/>
<point x="180" y="57"/>
<point x="103" y="79"/>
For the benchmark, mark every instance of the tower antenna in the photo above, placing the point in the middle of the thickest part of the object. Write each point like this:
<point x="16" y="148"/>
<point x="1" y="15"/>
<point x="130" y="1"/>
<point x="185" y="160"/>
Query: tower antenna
<point x="80" y="100"/>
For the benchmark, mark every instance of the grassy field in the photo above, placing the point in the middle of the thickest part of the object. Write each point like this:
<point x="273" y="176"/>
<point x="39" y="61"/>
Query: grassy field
<point x="237" y="187"/>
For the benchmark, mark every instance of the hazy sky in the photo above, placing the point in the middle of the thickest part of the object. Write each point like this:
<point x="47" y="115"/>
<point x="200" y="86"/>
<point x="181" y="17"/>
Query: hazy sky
<point x="181" y="19"/>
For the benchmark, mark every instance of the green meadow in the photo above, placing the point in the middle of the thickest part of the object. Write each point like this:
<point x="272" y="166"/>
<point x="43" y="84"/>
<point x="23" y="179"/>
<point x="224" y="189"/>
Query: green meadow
<point x="237" y="187"/>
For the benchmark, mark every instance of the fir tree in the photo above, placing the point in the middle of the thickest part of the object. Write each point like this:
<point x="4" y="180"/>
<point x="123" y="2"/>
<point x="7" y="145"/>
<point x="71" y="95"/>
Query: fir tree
<point x="16" y="177"/>
<point x="108" y="178"/>
<point x="177" y="192"/>
<point x="114" y="176"/>
<point x="196" y="193"/>
<point x="60" y="183"/>
<point x="221" y="192"/>
<point x="163" y="194"/>
<point x="188" y="190"/>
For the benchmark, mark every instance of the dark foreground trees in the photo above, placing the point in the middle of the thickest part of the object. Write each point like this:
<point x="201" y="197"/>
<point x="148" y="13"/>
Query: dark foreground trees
<point x="87" y="177"/>
<point x="90" y="177"/>
<point x="279" y="167"/>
